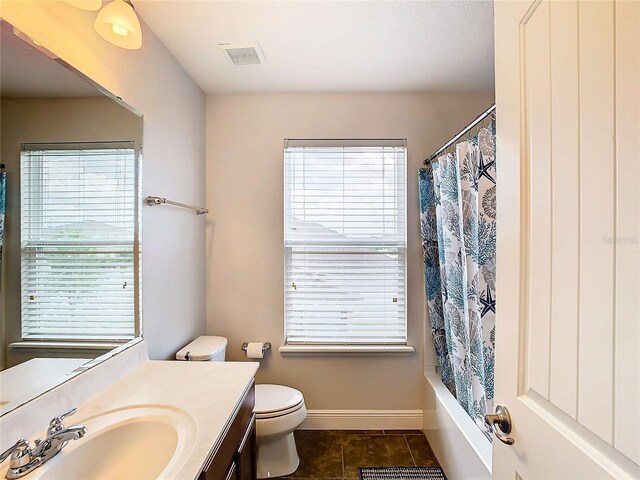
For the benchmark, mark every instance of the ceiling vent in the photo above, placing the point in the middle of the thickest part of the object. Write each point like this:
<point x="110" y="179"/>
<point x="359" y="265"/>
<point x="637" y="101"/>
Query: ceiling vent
<point x="243" y="53"/>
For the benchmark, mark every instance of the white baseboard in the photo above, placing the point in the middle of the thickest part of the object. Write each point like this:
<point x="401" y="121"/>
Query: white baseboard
<point x="362" y="420"/>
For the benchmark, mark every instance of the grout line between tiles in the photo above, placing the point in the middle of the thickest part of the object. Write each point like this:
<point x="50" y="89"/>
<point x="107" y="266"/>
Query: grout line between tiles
<point x="342" y="454"/>
<point x="410" y="452"/>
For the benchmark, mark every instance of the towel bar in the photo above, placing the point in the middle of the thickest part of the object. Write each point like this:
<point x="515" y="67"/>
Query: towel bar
<point x="151" y="201"/>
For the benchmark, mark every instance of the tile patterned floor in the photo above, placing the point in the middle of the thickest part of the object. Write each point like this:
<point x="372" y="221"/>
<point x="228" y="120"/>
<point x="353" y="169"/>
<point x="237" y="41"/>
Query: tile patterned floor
<point x="337" y="454"/>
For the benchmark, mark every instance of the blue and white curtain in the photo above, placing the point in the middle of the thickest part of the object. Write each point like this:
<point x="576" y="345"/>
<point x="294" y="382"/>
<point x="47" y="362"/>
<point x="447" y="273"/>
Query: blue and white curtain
<point x="458" y="224"/>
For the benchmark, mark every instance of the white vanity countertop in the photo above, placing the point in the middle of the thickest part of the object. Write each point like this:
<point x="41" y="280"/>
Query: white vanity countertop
<point x="206" y="394"/>
<point x="210" y="392"/>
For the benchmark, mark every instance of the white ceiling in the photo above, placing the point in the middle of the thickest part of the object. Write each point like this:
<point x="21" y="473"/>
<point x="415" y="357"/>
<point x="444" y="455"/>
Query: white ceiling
<point x="26" y="72"/>
<point x="331" y="46"/>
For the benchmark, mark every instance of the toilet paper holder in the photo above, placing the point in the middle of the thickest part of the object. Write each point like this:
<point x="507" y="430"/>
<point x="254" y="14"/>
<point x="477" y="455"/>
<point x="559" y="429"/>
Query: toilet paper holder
<point x="265" y="347"/>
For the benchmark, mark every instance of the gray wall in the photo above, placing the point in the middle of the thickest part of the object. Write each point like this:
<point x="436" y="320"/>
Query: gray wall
<point x="245" y="234"/>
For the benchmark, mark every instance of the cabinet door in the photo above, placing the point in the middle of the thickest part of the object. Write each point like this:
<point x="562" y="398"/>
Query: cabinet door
<point x="232" y="473"/>
<point x="247" y="454"/>
<point x="235" y="456"/>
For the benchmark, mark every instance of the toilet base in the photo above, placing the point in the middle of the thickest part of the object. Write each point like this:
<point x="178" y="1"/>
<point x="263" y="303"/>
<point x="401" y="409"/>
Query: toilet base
<point x="277" y="456"/>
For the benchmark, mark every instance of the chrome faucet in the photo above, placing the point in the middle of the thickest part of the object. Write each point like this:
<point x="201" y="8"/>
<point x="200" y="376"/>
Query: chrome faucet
<point x="25" y="459"/>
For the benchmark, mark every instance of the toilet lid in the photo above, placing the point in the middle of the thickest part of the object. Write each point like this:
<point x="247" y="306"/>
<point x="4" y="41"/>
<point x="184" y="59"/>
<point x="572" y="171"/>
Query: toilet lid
<point x="202" y="348"/>
<point x="275" y="398"/>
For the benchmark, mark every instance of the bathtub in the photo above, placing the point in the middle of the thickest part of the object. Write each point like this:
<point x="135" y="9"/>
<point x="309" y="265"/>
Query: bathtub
<point x="462" y="449"/>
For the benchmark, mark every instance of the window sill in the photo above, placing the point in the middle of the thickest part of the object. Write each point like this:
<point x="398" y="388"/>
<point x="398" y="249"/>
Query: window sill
<point x="53" y="345"/>
<point x="347" y="350"/>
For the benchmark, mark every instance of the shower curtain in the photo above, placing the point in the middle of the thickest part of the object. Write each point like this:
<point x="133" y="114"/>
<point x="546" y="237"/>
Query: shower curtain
<point x="458" y="225"/>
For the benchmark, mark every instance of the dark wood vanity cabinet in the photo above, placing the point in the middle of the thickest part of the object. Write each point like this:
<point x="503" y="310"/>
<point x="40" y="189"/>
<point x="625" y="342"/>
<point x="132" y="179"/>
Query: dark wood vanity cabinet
<point x="235" y="458"/>
<point x="246" y="456"/>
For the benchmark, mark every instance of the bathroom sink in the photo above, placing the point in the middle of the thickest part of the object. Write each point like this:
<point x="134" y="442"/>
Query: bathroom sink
<point x="142" y="442"/>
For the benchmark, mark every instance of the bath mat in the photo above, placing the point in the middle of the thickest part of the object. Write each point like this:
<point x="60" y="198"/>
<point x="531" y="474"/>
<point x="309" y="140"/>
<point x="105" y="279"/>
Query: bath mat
<point x="401" y="473"/>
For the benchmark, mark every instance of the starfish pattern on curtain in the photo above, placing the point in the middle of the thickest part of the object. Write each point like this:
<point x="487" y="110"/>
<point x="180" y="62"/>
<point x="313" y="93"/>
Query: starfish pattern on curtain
<point x="457" y="217"/>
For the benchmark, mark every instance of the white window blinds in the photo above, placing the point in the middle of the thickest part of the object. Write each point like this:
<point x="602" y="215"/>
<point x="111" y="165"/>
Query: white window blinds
<point x="345" y="241"/>
<point x="79" y="242"/>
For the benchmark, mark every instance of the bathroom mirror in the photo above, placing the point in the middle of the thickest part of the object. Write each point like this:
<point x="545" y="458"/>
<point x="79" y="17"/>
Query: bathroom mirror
<point x="70" y="212"/>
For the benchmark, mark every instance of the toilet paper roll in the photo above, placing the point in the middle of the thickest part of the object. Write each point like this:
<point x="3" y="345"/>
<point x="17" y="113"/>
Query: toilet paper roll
<point x="254" y="350"/>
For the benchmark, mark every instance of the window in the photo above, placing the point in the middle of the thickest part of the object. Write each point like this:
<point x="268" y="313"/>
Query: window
<point x="79" y="242"/>
<point x="345" y="242"/>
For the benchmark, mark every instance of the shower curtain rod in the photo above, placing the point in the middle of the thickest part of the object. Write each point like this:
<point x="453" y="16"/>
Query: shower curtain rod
<point x="478" y="119"/>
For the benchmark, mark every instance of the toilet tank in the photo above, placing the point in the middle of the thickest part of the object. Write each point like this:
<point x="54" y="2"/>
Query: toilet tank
<point x="206" y="348"/>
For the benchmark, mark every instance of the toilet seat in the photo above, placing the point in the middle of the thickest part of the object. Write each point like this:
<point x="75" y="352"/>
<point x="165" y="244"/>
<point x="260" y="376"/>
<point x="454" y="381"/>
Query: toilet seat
<point x="276" y="400"/>
<point x="286" y="411"/>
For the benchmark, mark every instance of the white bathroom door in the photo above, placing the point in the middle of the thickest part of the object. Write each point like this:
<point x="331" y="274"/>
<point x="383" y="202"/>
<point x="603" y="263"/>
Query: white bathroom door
<point x="568" y="286"/>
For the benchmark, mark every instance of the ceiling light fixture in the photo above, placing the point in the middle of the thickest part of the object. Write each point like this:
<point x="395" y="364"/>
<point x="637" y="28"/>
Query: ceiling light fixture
<point x="90" y="5"/>
<point x="119" y="25"/>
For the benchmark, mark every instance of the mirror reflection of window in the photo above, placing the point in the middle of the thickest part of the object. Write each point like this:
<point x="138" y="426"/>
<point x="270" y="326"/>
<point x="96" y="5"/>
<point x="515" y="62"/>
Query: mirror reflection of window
<point x="78" y="242"/>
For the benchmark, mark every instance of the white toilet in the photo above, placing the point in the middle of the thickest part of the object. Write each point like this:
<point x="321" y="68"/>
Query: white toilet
<point x="279" y="411"/>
